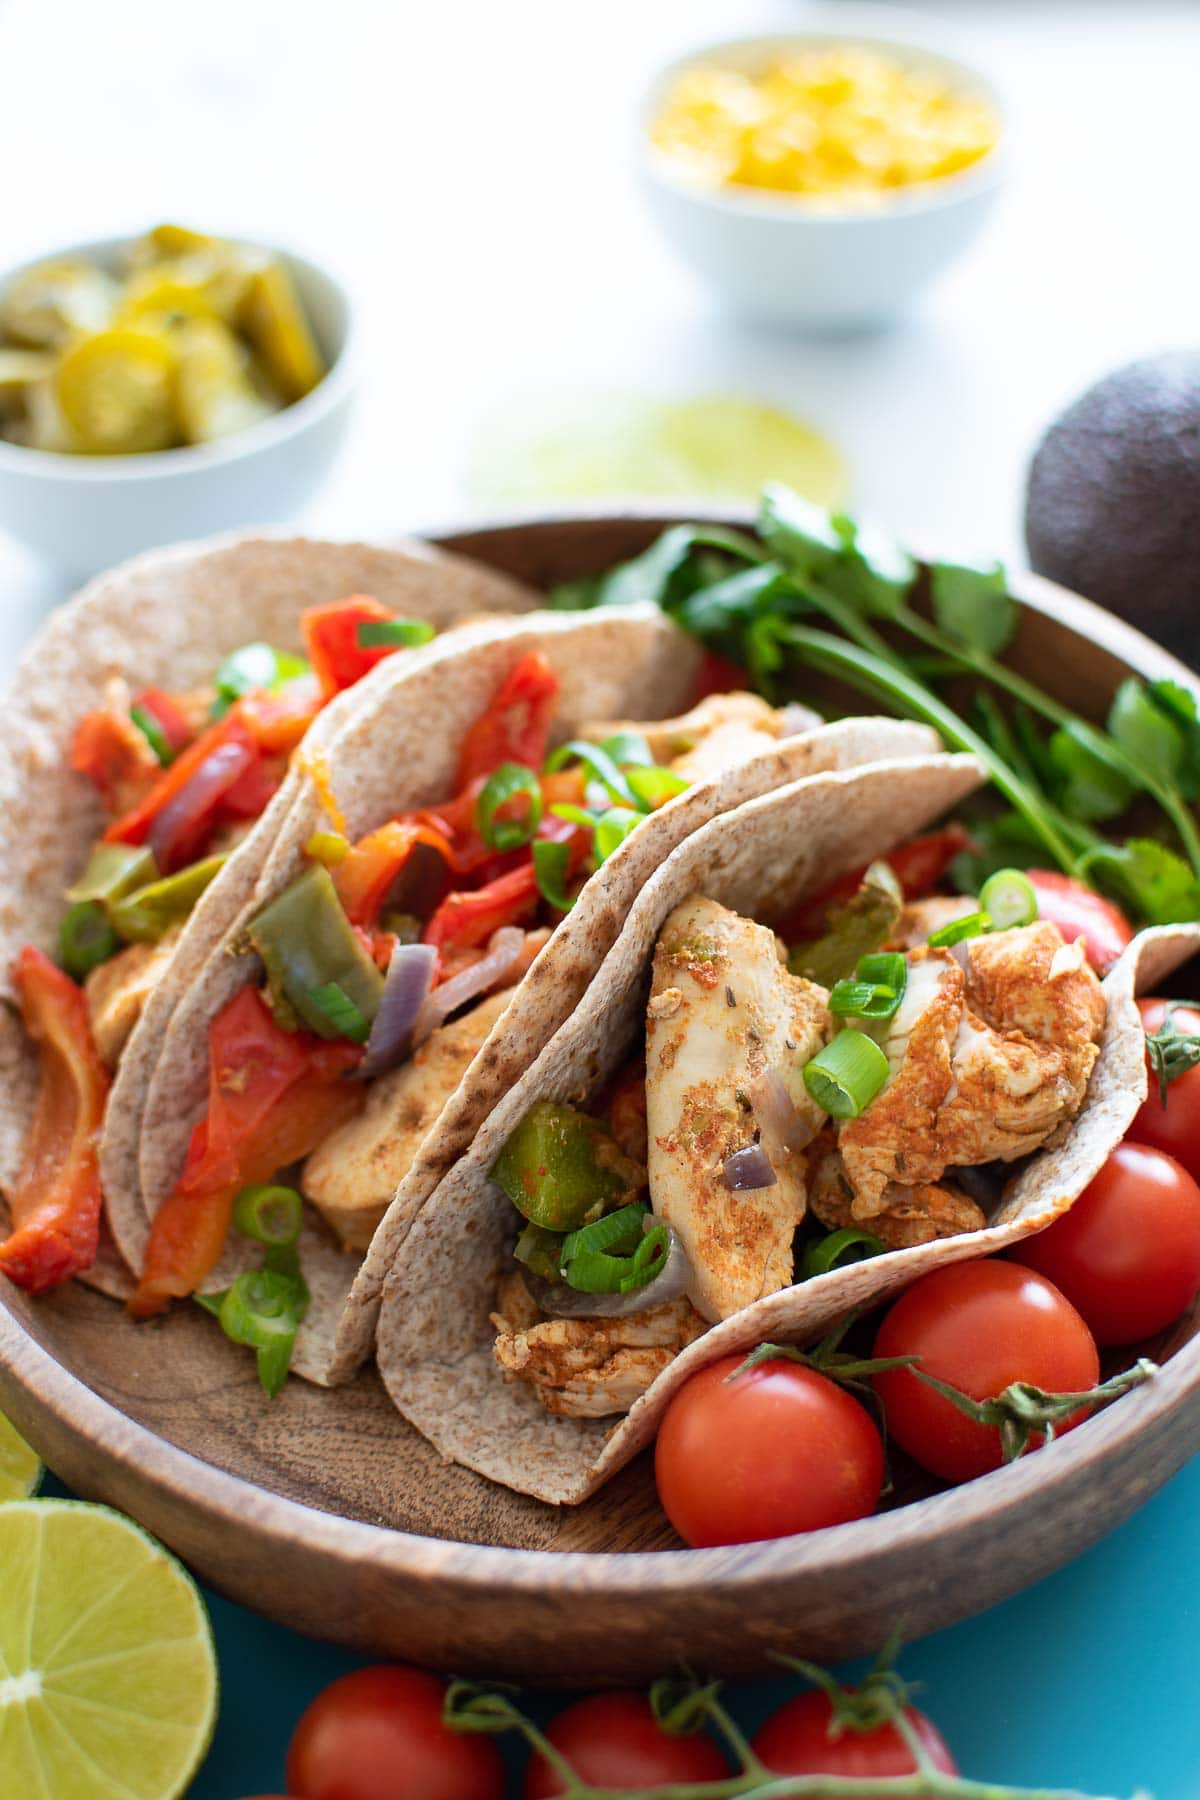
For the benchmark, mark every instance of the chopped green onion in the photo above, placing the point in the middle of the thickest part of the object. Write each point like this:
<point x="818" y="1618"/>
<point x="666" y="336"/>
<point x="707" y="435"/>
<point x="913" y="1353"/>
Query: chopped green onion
<point x="612" y="828"/>
<point x="550" y="864"/>
<point x="348" y="1019"/>
<point x="253" y="667"/>
<point x="875" y="991"/>
<point x="595" y="1272"/>
<point x="619" y="1232"/>
<point x="1009" y="899"/>
<point x="654" y="786"/>
<point x="153" y="733"/>
<point x="510" y="781"/>
<point x="575" y="815"/>
<point x="839" y="1248"/>
<point x="404" y="634"/>
<point x="974" y="925"/>
<point x="269" y="1215"/>
<point x="846" y="1075"/>
<point x="648" y="1259"/>
<point x="263" y="1309"/>
<point x="626" y="747"/>
<point x="86" y="939"/>
<point x="599" y="764"/>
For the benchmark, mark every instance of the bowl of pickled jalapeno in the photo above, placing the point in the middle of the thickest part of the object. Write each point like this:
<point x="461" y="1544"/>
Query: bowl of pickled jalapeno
<point x="162" y="387"/>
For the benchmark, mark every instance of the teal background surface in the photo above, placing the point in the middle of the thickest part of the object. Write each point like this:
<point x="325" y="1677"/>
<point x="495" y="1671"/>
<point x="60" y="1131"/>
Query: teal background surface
<point x="1091" y="1680"/>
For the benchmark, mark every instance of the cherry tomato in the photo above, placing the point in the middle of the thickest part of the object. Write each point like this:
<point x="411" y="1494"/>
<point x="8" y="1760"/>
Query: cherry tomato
<point x="378" y="1734"/>
<point x="979" y="1326"/>
<point x="778" y="1450"/>
<point x="1078" y="912"/>
<point x="1174" y="1127"/>
<point x="614" y="1741"/>
<point x="1127" y="1255"/>
<point x="797" y="1740"/>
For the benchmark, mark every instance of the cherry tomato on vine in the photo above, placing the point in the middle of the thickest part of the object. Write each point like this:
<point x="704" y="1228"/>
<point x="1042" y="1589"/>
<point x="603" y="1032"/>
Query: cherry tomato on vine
<point x="378" y="1734"/>
<point x="1078" y="912"/>
<point x="615" y="1741"/>
<point x="978" y="1326"/>
<point x="1127" y="1255"/>
<point x="802" y="1739"/>
<point x="1174" y="1127"/>
<point x="777" y="1450"/>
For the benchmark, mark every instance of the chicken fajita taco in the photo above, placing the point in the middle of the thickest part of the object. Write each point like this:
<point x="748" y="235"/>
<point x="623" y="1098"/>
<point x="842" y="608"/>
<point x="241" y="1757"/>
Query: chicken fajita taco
<point x="445" y="886"/>
<point x="756" y="1087"/>
<point x="144" y="766"/>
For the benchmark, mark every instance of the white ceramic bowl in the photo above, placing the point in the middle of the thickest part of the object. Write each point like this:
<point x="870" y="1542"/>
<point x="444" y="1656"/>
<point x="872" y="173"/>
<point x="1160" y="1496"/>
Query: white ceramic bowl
<point x="84" y="513"/>
<point x="775" y="258"/>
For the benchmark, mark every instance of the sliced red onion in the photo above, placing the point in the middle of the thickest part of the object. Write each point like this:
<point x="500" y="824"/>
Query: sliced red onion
<point x="505" y="947"/>
<point x="409" y="979"/>
<point x="195" y="800"/>
<point x="795" y="719"/>
<point x="562" y="1302"/>
<point x="748" y="1169"/>
<point x="777" y="1114"/>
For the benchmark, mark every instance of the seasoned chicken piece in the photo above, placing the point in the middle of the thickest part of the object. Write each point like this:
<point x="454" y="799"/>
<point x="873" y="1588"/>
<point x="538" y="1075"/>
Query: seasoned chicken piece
<point x="589" y="1368"/>
<point x="117" y="991"/>
<point x="985" y="1066"/>
<point x="717" y="734"/>
<point x="351" y="1178"/>
<point x="728" y="1031"/>
<point x="911" y="1215"/>
<point x="919" y="919"/>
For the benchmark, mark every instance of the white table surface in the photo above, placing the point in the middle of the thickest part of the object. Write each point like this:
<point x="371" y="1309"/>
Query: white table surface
<point x="467" y="167"/>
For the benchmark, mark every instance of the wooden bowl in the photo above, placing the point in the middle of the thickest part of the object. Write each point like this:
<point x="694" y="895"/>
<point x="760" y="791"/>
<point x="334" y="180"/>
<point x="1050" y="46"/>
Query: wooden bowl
<point x="327" y="1513"/>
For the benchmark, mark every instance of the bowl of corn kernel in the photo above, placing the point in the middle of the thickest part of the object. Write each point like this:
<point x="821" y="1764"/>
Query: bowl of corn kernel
<point x="822" y="178"/>
<point x="162" y="387"/>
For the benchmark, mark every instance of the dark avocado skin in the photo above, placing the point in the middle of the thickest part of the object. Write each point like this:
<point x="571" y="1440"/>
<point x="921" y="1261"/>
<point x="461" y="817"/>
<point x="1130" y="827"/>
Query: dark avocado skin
<point x="1112" y="503"/>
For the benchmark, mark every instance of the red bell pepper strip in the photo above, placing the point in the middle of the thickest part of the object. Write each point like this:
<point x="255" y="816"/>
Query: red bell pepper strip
<point x="55" y="1200"/>
<point x="273" y="1096"/>
<point x="464" y="920"/>
<point x="279" y="721"/>
<point x="516" y="726"/>
<point x="331" y="640"/>
<point x="114" y="755"/>
<point x="183" y="807"/>
<point x="363" y="877"/>
<point x="168" y="715"/>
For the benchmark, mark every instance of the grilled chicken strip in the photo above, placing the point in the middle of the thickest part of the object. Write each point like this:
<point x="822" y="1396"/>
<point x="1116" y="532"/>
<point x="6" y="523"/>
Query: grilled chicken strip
<point x="117" y="991"/>
<point x="728" y="1031"/>
<point x="911" y="1215"/>
<point x="351" y="1178"/>
<point x="986" y="1062"/>
<point x="718" y="733"/>
<point x="588" y="1368"/>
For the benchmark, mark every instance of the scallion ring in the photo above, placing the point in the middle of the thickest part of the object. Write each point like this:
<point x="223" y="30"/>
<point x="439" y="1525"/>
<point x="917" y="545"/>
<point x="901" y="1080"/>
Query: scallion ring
<point x="846" y="1075"/>
<point x="839" y="1248"/>
<point x="394" y="634"/>
<point x="252" y="667"/>
<point x="626" y="748"/>
<point x="351" y="1022"/>
<point x="874" y="991"/>
<point x="611" y="830"/>
<point x="153" y="733"/>
<point x="974" y="925"/>
<point x="599" y="765"/>
<point x="511" y="781"/>
<point x="86" y="939"/>
<point x="1009" y="899"/>
<point x="649" y="1259"/>
<point x="269" y="1215"/>
<point x="617" y="1232"/>
<point x="550" y="864"/>
<point x="654" y="786"/>
<point x="264" y="1309"/>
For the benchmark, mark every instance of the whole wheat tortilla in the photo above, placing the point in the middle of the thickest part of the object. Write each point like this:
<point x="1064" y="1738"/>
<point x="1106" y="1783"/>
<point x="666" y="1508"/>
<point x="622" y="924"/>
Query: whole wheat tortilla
<point x="402" y="753"/>
<point x="434" y="1337"/>
<point x="167" y="619"/>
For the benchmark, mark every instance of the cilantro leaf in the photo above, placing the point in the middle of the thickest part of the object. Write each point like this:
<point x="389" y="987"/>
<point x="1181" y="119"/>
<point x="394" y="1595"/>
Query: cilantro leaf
<point x="1154" y="879"/>
<point x="973" y="605"/>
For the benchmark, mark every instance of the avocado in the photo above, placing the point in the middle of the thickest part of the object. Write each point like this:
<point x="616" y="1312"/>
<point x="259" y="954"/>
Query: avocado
<point x="1112" y="503"/>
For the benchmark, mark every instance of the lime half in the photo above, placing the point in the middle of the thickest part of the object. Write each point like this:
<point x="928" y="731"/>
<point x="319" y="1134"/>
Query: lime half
<point x="20" y="1470"/>
<point x="108" y="1681"/>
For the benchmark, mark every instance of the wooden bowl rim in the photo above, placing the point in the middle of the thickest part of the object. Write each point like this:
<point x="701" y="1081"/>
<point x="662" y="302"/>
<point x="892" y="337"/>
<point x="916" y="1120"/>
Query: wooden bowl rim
<point x="734" y="1570"/>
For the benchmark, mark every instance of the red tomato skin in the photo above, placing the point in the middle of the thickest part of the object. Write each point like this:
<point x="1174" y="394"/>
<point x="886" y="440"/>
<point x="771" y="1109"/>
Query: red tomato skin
<point x="1079" y="912"/>
<point x="378" y="1734"/>
<point x="614" y="1741"/>
<point x="1175" y="1127"/>
<point x="978" y="1326"/>
<point x="779" y="1450"/>
<point x="796" y="1741"/>
<point x="1127" y="1255"/>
